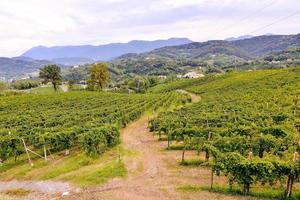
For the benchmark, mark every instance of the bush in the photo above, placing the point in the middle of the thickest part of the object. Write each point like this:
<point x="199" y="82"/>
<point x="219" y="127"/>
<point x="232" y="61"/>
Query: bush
<point x="94" y="142"/>
<point x="3" y="86"/>
<point x="97" y="140"/>
<point x="25" y="84"/>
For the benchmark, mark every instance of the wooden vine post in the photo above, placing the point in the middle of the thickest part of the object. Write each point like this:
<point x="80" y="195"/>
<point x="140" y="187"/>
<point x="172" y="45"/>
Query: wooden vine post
<point x="168" y="140"/>
<point x="211" y="178"/>
<point x="119" y="154"/>
<point x="291" y="178"/>
<point x="28" y="156"/>
<point x="183" y="154"/>
<point x="45" y="153"/>
<point x="209" y="136"/>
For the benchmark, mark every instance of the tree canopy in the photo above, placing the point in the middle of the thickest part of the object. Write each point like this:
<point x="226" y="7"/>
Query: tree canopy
<point x="99" y="76"/>
<point x="51" y="73"/>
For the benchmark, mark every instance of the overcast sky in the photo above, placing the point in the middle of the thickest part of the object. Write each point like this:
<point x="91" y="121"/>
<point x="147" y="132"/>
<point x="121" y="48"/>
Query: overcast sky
<point x="28" y="23"/>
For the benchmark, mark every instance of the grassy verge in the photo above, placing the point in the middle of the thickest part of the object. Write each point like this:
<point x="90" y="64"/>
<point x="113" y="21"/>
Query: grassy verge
<point x="194" y="162"/>
<point x="99" y="176"/>
<point x="263" y="192"/>
<point x="44" y="90"/>
<point x="76" y="168"/>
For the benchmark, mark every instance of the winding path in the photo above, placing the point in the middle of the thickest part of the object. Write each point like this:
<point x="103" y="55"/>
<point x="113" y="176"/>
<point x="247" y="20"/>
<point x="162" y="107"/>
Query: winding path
<point x="153" y="174"/>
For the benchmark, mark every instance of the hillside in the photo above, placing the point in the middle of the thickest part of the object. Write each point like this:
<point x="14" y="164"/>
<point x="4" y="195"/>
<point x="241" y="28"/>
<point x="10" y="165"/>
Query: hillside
<point x="281" y="59"/>
<point x="211" y="54"/>
<point x="204" y="57"/>
<point x="263" y="45"/>
<point x="101" y="52"/>
<point x="246" y="126"/>
<point x="19" y="66"/>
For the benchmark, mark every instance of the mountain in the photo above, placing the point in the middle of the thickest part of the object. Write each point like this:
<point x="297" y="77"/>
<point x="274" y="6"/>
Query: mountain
<point x="18" y="67"/>
<point x="263" y="45"/>
<point x="281" y="59"/>
<point x="212" y="54"/>
<point x="207" y="56"/>
<point x="199" y="50"/>
<point x="239" y="38"/>
<point x="179" y="59"/>
<point x="101" y="52"/>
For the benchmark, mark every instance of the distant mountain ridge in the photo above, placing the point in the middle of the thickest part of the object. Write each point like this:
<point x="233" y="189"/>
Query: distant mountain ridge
<point x="245" y="48"/>
<point x="262" y="45"/>
<point x="176" y="58"/>
<point x="101" y="52"/>
<point x="211" y="54"/>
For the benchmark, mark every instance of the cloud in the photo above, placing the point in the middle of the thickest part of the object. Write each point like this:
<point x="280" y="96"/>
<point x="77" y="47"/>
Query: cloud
<point x="24" y="24"/>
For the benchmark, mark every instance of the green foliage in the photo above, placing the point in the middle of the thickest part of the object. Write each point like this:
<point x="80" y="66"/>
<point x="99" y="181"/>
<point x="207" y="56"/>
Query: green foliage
<point x="252" y="118"/>
<point x="97" y="140"/>
<point x="51" y="73"/>
<point x="63" y="121"/>
<point x="94" y="142"/>
<point x="99" y="76"/>
<point x="3" y="86"/>
<point x="25" y="84"/>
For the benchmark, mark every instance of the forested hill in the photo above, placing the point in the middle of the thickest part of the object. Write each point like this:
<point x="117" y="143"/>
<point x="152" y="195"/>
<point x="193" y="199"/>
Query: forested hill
<point x="245" y="48"/>
<point x="263" y="45"/>
<point x="218" y="55"/>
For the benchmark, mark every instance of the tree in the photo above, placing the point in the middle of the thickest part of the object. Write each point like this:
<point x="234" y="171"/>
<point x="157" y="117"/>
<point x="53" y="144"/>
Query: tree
<point x="51" y="73"/>
<point x="99" y="76"/>
<point x="138" y="84"/>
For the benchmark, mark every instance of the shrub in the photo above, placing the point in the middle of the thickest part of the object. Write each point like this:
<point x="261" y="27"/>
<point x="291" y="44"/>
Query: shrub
<point x="25" y="84"/>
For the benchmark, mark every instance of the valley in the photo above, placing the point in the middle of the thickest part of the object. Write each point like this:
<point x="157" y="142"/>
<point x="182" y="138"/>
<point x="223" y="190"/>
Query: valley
<point x="163" y="147"/>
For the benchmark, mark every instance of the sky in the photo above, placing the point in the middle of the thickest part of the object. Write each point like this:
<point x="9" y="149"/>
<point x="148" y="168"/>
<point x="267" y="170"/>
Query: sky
<point x="28" y="23"/>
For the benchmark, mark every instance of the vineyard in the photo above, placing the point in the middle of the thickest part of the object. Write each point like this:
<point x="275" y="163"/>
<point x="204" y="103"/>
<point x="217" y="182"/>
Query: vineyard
<point x="247" y="125"/>
<point x="44" y="124"/>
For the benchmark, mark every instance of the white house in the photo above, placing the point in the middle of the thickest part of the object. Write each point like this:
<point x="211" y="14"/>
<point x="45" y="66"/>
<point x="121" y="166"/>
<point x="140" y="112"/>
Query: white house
<point x="192" y="75"/>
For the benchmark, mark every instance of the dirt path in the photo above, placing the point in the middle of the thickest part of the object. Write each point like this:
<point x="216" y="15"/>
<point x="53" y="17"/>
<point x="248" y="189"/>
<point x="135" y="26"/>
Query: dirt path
<point x="153" y="174"/>
<point x="195" y="98"/>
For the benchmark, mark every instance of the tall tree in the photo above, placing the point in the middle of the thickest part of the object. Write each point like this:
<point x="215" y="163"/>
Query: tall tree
<point x="51" y="73"/>
<point x="99" y="76"/>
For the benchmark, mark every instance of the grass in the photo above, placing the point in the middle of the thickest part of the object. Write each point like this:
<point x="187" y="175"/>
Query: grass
<point x="99" y="176"/>
<point x="263" y="192"/>
<point x="194" y="162"/>
<point x="69" y="164"/>
<point x="44" y="90"/>
<point x="76" y="168"/>
<point x="175" y="147"/>
<point x="19" y="192"/>
<point x="18" y="170"/>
